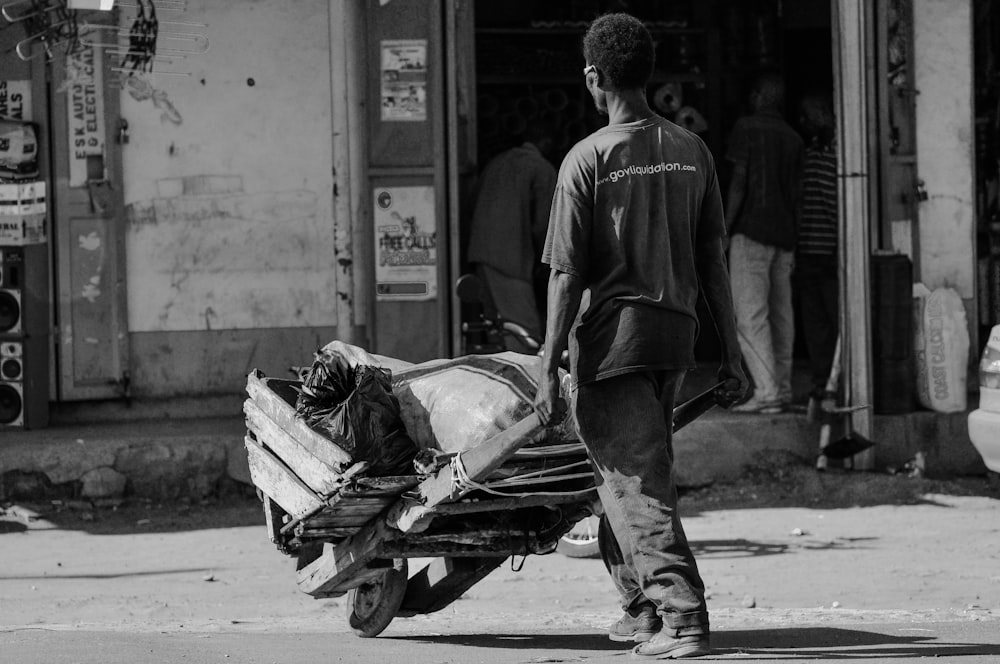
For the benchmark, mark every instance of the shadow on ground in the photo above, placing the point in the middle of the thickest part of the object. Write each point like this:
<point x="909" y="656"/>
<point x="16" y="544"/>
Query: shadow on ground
<point x="792" y="643"/>
<point x="780" y="482"/>
<point x="787" y="481"/>
<point x="132" y="516"/>
<point x="744" y="548"/>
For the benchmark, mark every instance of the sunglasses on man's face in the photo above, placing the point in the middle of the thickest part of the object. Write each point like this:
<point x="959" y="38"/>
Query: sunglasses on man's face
<point x="588" y="69"/>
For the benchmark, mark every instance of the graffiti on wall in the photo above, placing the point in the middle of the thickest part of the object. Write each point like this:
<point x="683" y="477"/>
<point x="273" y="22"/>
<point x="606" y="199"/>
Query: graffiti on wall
<point x="141" y="89"/>
<point x="210" y="256"/>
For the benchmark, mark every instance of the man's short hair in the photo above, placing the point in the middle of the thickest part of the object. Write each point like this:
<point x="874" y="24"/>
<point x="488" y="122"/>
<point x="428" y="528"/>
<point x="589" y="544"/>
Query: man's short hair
<point x="769" y="87"/>
<point x="818" y="120"/>
<point x="620" y="46"/>
<point x="539" y="128"/>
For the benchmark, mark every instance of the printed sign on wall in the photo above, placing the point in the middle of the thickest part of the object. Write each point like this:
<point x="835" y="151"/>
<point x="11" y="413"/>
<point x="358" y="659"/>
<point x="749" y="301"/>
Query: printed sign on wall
<point x="405" y="243"/>
<point x="85" y="105"/>
<point x="404" y="80"/>
<point x="15" y="100"/>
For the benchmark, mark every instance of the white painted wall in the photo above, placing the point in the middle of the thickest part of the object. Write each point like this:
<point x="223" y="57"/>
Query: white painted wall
<point x="230" y="198"/>
<point x="943" y="70"/>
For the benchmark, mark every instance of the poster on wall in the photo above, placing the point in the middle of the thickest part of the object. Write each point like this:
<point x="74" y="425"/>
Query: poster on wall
<point x="15" y="100"/>
<point x="405" y="243"/>
<point x="85" y="105"/>
<point x="404" y="80"/>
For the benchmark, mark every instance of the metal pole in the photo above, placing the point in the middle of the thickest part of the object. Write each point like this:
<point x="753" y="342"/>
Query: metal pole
<point x="346" y="43"/>
<point x="852" y="46"/>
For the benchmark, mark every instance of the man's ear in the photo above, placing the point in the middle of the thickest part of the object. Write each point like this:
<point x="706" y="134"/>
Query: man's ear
<point x="598" y="80"/>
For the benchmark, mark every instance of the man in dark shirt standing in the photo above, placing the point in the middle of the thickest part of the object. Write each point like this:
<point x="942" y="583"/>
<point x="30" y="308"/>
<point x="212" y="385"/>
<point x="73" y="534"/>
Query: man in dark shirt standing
<point x="508" y="229"/>
<point x="761" y="215"/>
<point x="636" y="219"/>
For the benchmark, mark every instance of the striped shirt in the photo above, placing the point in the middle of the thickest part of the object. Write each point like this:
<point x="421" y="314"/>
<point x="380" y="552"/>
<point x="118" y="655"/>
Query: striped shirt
<point x="818" y="225"/>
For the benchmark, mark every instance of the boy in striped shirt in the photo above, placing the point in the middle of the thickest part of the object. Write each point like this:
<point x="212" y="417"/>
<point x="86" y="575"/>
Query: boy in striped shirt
<point x="816" y="247"/>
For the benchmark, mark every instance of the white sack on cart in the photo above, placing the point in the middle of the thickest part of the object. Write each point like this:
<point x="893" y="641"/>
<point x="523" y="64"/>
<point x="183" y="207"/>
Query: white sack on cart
<point x="455" y="404"/>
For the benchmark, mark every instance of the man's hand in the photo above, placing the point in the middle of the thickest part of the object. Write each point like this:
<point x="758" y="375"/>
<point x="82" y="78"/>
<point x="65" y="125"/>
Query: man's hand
<point x="734" y="384"/>
<point x="565" y="292"/>
<point x="551" y="408"/>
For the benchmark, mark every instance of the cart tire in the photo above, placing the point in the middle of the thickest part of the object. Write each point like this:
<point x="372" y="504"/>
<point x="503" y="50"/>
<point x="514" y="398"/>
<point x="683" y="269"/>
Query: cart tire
<point x="581" y="541"/>
<point x="372" y="605"/>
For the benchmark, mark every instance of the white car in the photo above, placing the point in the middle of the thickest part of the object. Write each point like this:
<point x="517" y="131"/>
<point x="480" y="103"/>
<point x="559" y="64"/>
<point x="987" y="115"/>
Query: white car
<point x="984" y="423"/>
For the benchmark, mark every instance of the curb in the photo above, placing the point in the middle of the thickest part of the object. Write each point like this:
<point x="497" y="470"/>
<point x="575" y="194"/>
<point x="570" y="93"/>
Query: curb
<point x="170" y="458"/>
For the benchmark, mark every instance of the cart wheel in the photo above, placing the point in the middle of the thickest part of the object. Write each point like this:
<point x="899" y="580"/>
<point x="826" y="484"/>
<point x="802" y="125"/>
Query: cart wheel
<point x="581" y="541"/>
<point x="372" y="605"/>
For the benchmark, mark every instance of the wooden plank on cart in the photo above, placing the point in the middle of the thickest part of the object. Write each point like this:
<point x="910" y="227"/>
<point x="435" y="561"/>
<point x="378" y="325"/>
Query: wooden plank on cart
<point x="328" y="533"/>
<point x="386" y="485"/>
<point x="273" y="478"/>
<point x="273" y="515"/>
<point x="277" y="407"/>
<point x="344" y="565"/>
<point x="345" y="513"/>
<point x="360" y="499"/>
<point x="316" y="473"/>
<point x="333" y="518"/>
<point x="519" y="502"/>
<point x="452" y="481"/>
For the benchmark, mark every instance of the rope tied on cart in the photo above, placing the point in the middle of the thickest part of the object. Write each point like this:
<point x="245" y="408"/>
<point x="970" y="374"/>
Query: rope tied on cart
<point x="461" y="483"/>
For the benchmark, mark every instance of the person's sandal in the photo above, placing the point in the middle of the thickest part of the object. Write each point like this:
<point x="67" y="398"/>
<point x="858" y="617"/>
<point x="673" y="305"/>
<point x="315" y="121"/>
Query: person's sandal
<point x="758" y="407"/>
<point x="665" y="646"/>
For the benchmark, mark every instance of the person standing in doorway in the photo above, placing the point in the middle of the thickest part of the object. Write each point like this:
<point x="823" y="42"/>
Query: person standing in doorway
<point x="762" y="213"/>
<point x="508" y="228"/>
<point x="637" y="220"/>
<point x="816" y="272"/>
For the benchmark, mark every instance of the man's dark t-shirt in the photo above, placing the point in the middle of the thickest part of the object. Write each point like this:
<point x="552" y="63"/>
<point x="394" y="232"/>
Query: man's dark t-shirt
<point x="631" y="204"/>
<point x="771" y="153"/>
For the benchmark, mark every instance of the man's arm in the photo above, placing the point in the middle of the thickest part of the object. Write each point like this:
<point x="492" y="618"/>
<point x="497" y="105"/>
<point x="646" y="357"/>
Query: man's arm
<point x="565" y="292"/>
<point x="713" y="274"/>
<point x="543" y="186"/>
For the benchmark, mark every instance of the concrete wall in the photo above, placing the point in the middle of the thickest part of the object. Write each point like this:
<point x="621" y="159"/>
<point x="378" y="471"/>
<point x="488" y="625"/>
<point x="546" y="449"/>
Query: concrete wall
<point x="943" y="71"/>
<point x="229" y="195"/>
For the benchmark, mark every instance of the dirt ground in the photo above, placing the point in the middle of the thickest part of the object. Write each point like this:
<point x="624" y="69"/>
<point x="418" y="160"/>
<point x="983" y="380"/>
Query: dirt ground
<point x="784" y="545"/>
<point x="783" y="483"/>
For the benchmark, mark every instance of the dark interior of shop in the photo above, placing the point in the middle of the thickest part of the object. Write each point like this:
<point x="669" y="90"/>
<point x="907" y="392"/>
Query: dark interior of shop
<point x="528" y="61"/>
<point x="529" y="64"/>
<point x="987" y="82"/>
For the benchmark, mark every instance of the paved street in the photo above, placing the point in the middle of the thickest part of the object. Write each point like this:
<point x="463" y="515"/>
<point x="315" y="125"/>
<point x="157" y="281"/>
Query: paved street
<point x="203" y="584"/>
<point x="966" y="642"/>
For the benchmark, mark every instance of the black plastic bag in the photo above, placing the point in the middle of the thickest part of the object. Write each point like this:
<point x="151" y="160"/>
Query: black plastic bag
<point x="356" y="409"/>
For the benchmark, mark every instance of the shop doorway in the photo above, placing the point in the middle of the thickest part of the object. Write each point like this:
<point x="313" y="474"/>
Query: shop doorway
<point x="528" y="63"/>
<point x="75" y="339"/>
<point x="89" y="226"/>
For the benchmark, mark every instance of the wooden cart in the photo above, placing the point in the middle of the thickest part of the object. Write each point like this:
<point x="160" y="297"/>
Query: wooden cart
<point x="353" y="534"/>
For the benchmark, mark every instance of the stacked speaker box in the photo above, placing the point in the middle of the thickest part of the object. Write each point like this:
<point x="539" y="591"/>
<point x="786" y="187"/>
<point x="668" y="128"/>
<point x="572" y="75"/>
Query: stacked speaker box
<point x="24" y="337"/>
<point x="892" y="334"/>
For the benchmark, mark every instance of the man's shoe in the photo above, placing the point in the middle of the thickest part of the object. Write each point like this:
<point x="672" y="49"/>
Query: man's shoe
<point x="665" y="646"/>
<point x="754" y="406"/>
<point x="794" y="407"/>
<point x="636" y="625"/>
